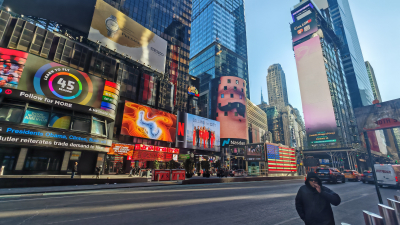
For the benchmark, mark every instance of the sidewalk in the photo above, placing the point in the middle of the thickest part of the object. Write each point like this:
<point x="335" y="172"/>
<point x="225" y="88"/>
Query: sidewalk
<point x="38" y="191"/>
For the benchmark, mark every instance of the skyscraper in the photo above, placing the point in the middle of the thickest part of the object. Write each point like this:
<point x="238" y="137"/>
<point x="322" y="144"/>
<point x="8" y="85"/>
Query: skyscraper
<point x="262" y="98"/>
<point x="218" y="44"/>
<point x="328" y="113"/>
<point x="169" y="19"/>
<point x="372" y="81"/>
<point x="276" y="82"/>
<point x="356" y="75"/>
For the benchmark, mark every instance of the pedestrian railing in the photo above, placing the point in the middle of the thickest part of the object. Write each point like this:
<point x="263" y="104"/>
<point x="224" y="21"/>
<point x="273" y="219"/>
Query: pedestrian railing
<point x="389" y="215"/>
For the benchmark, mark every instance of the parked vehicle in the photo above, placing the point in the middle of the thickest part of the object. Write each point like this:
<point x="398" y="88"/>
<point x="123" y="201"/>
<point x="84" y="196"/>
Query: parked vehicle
<point x="367" y="177"/>
<point x="352" y="175"/>
<point x="330" y="174"/>
<point x="387" y="174"/>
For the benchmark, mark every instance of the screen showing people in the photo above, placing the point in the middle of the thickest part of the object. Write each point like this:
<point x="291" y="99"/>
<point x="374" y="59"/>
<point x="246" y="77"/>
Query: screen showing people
<point x="202" y="133"/>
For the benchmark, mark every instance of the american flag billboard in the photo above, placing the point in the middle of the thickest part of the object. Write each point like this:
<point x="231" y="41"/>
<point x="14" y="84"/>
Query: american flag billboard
<point x="281" y="159"/>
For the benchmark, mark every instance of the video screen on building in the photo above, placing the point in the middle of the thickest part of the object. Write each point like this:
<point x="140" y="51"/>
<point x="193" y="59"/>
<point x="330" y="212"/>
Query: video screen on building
<point x="255" y="152"/>
<point x="117" y="31"/>
<point x="195" y="132"/>
<point x="316" y="98"/>
<point x="304" y="27"/>
<point x="145" y="122"/>
<point x="228" y="106"/>
<point x="45" y="81"/>
<point x="12" y="64"/>
<point x="194" y="86"/>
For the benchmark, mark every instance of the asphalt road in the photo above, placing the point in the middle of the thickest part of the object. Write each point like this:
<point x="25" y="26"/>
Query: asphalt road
<point x="269" y="202"/>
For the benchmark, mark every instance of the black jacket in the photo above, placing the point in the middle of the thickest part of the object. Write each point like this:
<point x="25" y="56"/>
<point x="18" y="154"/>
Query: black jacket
<point x="75" y="168"/>
<point x="315" y="208"/>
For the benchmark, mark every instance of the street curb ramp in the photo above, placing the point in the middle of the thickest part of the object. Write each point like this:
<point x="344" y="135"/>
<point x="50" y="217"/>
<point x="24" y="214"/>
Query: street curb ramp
<point x="239" y="179"/>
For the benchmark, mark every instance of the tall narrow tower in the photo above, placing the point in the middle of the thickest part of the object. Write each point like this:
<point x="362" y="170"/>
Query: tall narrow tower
<point x="372" y="80"/>
<point x="277" y="90"/>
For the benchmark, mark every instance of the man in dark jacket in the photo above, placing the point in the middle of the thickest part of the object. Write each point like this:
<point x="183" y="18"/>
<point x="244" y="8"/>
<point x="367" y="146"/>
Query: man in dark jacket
<point x="313" y="202"/>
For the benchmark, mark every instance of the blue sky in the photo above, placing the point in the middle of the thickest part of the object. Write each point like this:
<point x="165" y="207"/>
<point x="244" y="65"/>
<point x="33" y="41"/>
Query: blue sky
<point x="269" y="41"/>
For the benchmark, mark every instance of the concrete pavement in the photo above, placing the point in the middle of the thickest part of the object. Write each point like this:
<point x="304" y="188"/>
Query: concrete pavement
<point x="265" y="202"/>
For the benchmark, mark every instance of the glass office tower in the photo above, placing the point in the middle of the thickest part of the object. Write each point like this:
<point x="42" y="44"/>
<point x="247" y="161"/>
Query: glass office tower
<point x="353" y="62"/>
<point x="218" y="44"/>
<point x="170" y="19"/>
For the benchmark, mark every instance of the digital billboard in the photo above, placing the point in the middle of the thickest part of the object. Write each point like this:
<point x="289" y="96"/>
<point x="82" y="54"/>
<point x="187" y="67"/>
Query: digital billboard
<point x="12" y="64"/>
<point x="145" y="122"/>
<point x="228" y="106"/>
<point x="304" y="27"/>
<point x="318" y="111"/>
<point x="255" y="152"/>
<point x="116" y="30"/>
<point x="41" y="80"/>
<point x="194" y="85"/>
<point x="195" y="132"/>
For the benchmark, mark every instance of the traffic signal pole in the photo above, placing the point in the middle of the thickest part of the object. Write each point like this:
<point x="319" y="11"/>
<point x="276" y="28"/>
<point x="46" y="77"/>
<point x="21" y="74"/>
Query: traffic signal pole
<point x="378" y="192"/>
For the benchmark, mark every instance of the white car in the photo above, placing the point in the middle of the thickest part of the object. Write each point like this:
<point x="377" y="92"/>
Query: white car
<point x="387" y="174"/>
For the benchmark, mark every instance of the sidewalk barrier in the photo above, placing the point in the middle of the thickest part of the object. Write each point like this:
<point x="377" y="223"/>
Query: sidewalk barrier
<point x="396" y="206"/>
<point x="372" y="219"/>
<point x="388" y="214"/>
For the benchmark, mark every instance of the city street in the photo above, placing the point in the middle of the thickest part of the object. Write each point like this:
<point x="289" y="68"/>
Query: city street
<point x="270" y="202"/>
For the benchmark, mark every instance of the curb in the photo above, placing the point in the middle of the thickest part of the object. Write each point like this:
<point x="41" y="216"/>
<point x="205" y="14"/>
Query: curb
<point x="41" y="193"/>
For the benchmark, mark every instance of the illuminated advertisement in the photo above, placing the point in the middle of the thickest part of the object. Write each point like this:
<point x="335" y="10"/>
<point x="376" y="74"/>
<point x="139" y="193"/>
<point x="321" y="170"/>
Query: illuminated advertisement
<point x="117" y="31"/>
<point x="44" y="81"/>
<point x="195" y="132"/>
<point x="11" y="66"/>
<point x="281" y="159"/>
<point x="229" y="106"/>
<point x="318" y="111"/>
<point x="35" y="117"/>
<point x="304" y="27"/>
<point x="145" y="122"/>
<point x="255" y="152"/>
<point x="193" y="88"/>
<point x="121" y="149"/>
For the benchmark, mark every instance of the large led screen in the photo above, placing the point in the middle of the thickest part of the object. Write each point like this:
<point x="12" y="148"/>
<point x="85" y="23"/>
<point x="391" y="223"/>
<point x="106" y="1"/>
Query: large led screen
<point x="145" y="122"/>
<point x="255" y="152"/>
<point x="12" y="64"/>
<point x="195" y="132"/>
<point x="116" y="30"/>
<point x="228" y="105"/>
<point x="304" y="27"/>
<point x="315" y="93"/>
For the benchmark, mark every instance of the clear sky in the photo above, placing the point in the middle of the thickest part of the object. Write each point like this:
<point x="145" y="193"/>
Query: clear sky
<point x="269" y="41"/>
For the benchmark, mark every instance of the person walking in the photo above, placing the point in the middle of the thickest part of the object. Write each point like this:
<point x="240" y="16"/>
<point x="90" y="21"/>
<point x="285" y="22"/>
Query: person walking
<point x="313" y="202"/>
<point x="98" y="171"/>
<point x="74" y="170"/>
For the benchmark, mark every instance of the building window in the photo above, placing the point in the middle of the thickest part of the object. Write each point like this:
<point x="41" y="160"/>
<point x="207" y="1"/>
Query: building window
<point x="11" y="113"/>
<point x="242" y="89"/>
<point x="98" y="126"/>
<point x="237" y="82"/>
<point x="225" y="88"/>
<point x="240" y="96"/>
<point x="229" y="81"/>
<point x="222" y="95"/>
<point x="236" y="114"/>
<point x="231" y="95"/>
<point x="216" y="114"/>
<point x="235" y="88"/>
<point x="219" y="104"/>
<point x="225" y="113"/>
<point x="81" y="124"/>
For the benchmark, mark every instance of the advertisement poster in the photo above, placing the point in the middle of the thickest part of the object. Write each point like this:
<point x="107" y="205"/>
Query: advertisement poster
<point x="316" y="98"/>
<point x="229" y="106"/>
<point x="11" y="67"/>
<point x="194" y="85"/>
<point x="60" y="121"/>
<point x="117" y="31"/>
<point x="56" y="81"/>
<point x="195" y="132"/>
<point x="255" y="152"/>
<point x="304" y="27"/>
<point x="145" y="122"/>
<point x="35" y="117"/>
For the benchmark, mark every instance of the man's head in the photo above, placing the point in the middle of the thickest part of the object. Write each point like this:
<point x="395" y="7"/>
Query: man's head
<point x="312" y="179"/>
<point x="76" y="163"/>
